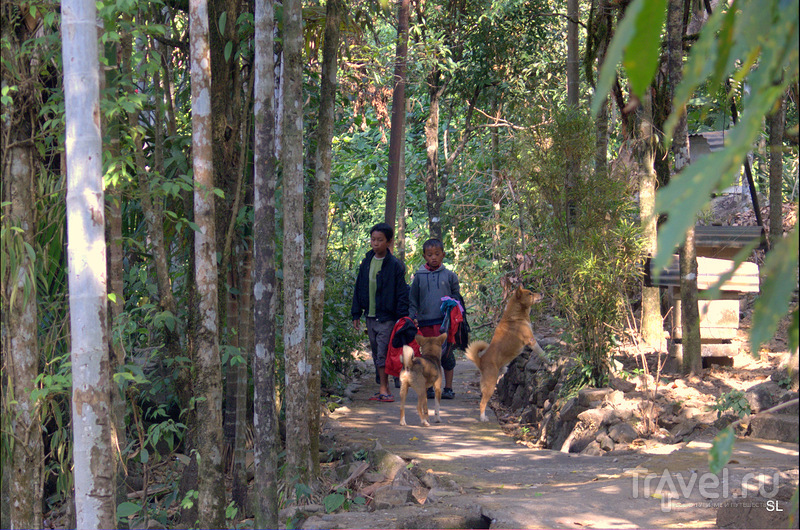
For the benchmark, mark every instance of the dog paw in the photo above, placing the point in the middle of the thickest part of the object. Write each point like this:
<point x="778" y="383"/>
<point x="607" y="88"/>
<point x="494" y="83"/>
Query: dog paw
<point x="402" y="421"/>
<point x="484" y="419"/>
<point x="425" y="423"/>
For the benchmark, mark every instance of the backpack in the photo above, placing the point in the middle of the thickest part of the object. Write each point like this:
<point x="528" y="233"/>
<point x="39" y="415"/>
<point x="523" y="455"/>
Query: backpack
<point x="462" y="333"/>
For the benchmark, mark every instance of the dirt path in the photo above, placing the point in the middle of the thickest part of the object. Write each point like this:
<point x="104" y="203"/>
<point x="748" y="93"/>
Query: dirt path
<point x="495" y="482"/>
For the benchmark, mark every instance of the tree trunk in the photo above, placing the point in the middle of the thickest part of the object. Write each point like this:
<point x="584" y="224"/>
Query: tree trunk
<point x="245" y="335"/>
<point x="776" y="123"/>
<point x="93" y="454"/>
<point x="228" y="115"/>
<point x="115" y="269"/>
<point x="265" y="283"/>
<point x="690" y="315"/>
<point x="319" y="232"/>
<point x="432" y="195"/>
<point x="601" y="122"/>
<point x="652" y="328"/>
<point x="211" y="486"/>
<point x="296" y="364"/>
<point x="572" y="177"/>
<point x="398" y="132"/>
<point x="573" y="76"/>
<point x="22" y="475"/>
<point x="230" y="369"/>
<point x="400" y="234"/>
<point x="496" y="184"/>
<point x="21" y="318"/>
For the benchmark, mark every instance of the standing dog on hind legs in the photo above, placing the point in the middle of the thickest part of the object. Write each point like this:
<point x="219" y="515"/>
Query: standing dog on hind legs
<point x="513" y="333"/>
<point x="420" y="373"/>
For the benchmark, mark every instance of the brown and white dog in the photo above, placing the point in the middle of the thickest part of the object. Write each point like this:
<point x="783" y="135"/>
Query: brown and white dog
<point x="421" y="373"/>
<point x="513" y="333"/>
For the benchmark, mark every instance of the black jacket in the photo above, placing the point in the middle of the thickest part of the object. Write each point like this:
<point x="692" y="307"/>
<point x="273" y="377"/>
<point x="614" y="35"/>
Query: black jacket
<point x="391" y="297"/>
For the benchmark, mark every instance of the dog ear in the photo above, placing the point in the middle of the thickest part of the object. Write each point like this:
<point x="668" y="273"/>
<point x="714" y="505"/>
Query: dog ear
<point x="442" y="338"/>
<point x="419" y="338"/>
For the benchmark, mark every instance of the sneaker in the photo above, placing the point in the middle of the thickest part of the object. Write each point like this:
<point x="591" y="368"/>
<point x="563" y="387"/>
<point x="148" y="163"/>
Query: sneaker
<point x="448" y="393"/>
<point x="431" y="393"/>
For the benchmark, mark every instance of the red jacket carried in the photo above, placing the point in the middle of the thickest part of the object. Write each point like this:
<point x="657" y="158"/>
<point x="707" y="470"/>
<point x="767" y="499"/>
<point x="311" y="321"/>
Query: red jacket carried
<point x="403" y="333"/>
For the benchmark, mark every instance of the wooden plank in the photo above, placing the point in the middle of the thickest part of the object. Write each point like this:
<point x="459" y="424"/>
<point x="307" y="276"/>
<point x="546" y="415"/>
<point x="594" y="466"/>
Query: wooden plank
<point x="719" y="319"/>
<point x="724" y="242"/>
<point x="708" y="350"/>
<point x="727" y="236"/>
<point x="709" y="271"/>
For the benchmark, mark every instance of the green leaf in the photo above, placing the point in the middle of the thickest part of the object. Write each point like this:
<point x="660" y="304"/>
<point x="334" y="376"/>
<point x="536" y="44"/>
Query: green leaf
<point x="223" y="19"/>
<point x="144" y="456"/>
<point x="780" y="277"/>
<point x="126" y="509"/>
<point x="333" y="502"/>
<point x="228" y="50"/>
<point x="634" y="28"/>
<point x="642" y="53"/>
<point x="721" y="450"/>
<point x="794" y="332"/>
<point x="685" y="195"/>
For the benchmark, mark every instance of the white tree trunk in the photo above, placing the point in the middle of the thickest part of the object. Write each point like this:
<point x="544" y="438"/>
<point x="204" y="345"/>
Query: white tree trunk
<point x="91" y="379"/>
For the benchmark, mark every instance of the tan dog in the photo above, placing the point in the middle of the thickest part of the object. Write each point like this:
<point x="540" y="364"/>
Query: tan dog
<point x="513" y="333"/>
<point x="420" y="373"/>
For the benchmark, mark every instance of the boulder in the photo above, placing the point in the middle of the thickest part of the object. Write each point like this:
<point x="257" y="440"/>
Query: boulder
<point x="618" y="383"/>
<point x="683" y="429"/>
<point x="597" y="417"/>
<point x="391" y="497"/>
<point x="593" y="449"/>
<point x="385" y="462"/>
<point x="616" y="397"/>
<point x="623" y="433"/>
<point x="763" y="396"/>
<point x="521" y="397"/>
<point x="406" y="479"/>
<point x="793" y="408"/>
<point x="605" y="441"/>
<point x="570" y="410"/>
<point x="589" y="397"/>
<point x="536" y="363"/>
<point x="781" y="427"/>
<point x="531" y="415"/>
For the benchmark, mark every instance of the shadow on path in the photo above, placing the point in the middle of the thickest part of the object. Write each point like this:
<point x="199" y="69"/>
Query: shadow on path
<point x="513" y="486"/>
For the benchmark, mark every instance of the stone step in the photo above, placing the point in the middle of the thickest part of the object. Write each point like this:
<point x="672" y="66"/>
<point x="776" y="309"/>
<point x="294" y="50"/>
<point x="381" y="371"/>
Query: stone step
<point x="781" y="427"/>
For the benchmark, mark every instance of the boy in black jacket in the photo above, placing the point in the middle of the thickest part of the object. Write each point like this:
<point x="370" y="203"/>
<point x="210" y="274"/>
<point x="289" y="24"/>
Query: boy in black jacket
<point x="381" y="293"/>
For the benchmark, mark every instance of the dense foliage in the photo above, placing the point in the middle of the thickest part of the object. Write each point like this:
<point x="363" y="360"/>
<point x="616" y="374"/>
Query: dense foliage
<point x="509" y="218"/>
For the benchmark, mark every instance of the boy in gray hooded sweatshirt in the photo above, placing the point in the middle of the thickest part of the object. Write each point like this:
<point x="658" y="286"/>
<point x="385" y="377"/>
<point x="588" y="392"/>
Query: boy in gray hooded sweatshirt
<point x="432" y="281"/>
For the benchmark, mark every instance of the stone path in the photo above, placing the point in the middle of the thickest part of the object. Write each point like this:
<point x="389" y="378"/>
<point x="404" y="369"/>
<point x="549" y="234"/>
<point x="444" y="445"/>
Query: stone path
<point x="490" y="481"/>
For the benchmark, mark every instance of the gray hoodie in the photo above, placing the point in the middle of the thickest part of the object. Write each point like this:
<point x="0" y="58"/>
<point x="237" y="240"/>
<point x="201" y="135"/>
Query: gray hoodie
<point x="427" y="290"/>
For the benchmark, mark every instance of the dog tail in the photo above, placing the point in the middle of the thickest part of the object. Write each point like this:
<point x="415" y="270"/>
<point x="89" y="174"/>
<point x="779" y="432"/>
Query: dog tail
<point x="474" y="351"/>
<point x="408" y="357"/>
